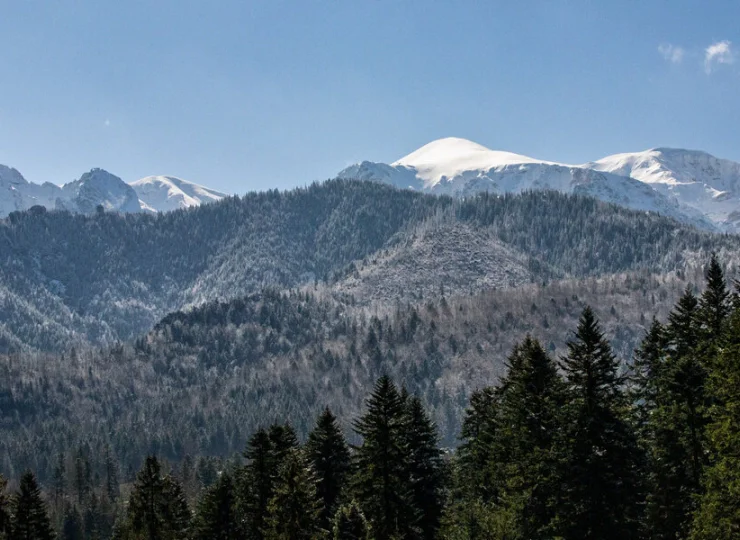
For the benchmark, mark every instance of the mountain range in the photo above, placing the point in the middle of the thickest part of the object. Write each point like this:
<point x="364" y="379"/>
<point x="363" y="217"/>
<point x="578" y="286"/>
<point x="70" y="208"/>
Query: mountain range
<point x="101" y="188"/>
<point x="691" y="186"/>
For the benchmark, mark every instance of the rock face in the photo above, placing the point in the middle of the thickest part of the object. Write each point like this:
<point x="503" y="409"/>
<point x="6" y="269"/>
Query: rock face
<point x="693" y="187"/>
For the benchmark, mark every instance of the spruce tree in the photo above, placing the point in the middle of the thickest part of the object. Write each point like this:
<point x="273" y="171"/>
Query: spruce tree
<point x="350" y="524"/>
<point x="328" y="453"/>
<point x="599" y="451"/>
<point x="718" y="516"/>
<point x="294" y="509"/>
<point x="216" y="517"/>
<point x="381" y="482"/>
<point x="525" y="447"/>
<point x="30" y="517"/>
<point x="177" y="512"/>
<point x="425" y="466"/>
<point x="715" y="303"/>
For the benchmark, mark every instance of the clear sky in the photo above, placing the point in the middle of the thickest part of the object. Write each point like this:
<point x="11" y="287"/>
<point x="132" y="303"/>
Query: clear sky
<point x="242" y="95"/>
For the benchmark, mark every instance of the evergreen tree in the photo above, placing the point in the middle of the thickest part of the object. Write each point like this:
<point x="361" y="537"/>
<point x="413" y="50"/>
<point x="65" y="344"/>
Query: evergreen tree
<point x="718" y="516"/>
<point x="381" y="480"/>
<point x="425" y="467"/>
<point x="715" y="303"/>
<point x="59" y="482"/>
<point x="216" y="518"/>
<point x="294" y="509"/>
<point x="256" y="483"/>
<point x="677" y="442"/>
<point x="178" y="515"/>
<point x="111" y="475"/>
<point x="525" y="448"/>
<point x="328" y="454"/>
<point x="30" y="517"/>
<point x="72" y="525"/>
<point x="600" y="454"/>
<point x="350" y="523"/>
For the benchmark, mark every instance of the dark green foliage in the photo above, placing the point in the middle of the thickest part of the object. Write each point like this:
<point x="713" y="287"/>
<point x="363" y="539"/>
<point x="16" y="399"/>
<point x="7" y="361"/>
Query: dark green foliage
<point x="216" y="517"/>
<point x="601" y="481"/>
<point x="328" y="454"/>
<point x="714" y="306"/>
<point x="294" y="509"/>
<point x="718" y="516"/>
<point x="425" y="467"/>
<point x="381" y="483"/>
<point x="30" y="517"/>
<point x="350" y="523"/>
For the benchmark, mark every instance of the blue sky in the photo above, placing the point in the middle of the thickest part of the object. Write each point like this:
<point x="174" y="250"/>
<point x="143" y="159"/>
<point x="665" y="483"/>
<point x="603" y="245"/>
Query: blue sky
<point x="242" y="95"/>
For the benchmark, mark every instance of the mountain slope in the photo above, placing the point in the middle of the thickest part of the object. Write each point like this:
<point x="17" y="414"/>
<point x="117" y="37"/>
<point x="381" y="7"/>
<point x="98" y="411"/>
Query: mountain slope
<point x="461" y="168"/>
<point x="125" y="271"/>
<point x="694" y="180"/>
<point x="164" y="193"/>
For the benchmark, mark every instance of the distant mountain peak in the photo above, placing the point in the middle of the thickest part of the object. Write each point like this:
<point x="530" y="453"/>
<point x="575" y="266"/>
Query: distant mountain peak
<point x="162" y="193"/>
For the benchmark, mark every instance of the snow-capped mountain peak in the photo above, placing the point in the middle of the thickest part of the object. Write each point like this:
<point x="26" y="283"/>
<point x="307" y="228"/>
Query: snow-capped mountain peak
<point x="449" y="157"/>
<point x="163" y="193"/>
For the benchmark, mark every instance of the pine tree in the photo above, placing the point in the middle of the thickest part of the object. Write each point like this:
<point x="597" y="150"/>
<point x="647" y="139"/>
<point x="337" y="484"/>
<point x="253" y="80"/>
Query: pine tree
<point x="328" y="453"/>
<point x="600" y="453"/>
<point x="294" y="509"/>
<point x="216" y="518"/>
<point x="112" y="487"/>
<point x="525" y="445"/>
<point x="72" y="525"/>
<point x="30" y="517"/>
<point x="718" y="516"/>
<point x="381" y="481"/>
<point x="59" y="483"/>
<point x="350" y="524"/>
<point x="257" y="479"/>
<point x="425" y="467"/>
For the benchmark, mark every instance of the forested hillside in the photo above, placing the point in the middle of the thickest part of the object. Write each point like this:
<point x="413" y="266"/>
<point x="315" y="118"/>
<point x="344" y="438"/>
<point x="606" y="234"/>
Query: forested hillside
<point x="67" y="279"/>
<point x="573" y="445"/>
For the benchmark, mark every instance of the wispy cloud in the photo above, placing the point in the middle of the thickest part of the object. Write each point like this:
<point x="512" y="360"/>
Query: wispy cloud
<point x="672" y="53"/>
<point x="718" y="53"/>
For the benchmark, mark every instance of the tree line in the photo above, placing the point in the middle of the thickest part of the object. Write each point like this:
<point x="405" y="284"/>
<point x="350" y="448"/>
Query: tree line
<point x="572" y="448"/>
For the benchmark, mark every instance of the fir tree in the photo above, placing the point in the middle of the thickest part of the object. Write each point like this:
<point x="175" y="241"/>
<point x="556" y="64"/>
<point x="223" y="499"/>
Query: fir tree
<point x="178" y="515"/>
<point x="425" y="466"/>
<point x="293" y="511"/>
<point x="350" y="524"/>
<point x="715" y="304"/>
<point x="256" y="483"/>
<point x="328" y="453"/>
<point x="525" y="445"/>
<point x="381" y="481"/>
<point x="600" y="453"/>
<point x="30" y="517"/>
<point x="718" y="516"/>
<point x="216" y="518"/>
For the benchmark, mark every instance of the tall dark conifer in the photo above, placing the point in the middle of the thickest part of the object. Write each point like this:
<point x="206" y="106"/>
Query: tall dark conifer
<point x="350" y="524"/>
<point x="525" y="446"/>
<point x="425" y="466"/>
<point x="5" y="521"/>
<point x="216" y="515"/>
<point x="328" y="454"/>
<point x="30" y="517"/>
<point x="381" y="482"/>
<point x="600" y="453"/>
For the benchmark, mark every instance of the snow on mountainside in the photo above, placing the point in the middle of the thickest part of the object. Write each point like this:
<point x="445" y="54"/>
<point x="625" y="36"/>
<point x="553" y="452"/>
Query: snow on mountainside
<point x="101" y="188"/>
<point x="459" y="167"/>
<point x="694" y="180"/>
<point x="163" y="193"/>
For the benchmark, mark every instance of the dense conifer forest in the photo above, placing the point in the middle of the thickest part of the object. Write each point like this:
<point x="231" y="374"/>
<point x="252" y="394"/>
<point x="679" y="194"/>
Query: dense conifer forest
<point x="567" y="445"/>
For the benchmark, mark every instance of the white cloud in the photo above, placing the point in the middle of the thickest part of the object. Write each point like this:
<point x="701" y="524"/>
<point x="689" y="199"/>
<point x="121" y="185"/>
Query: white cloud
<point x="718" y="53"/>
<point x="672" y="53"/>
